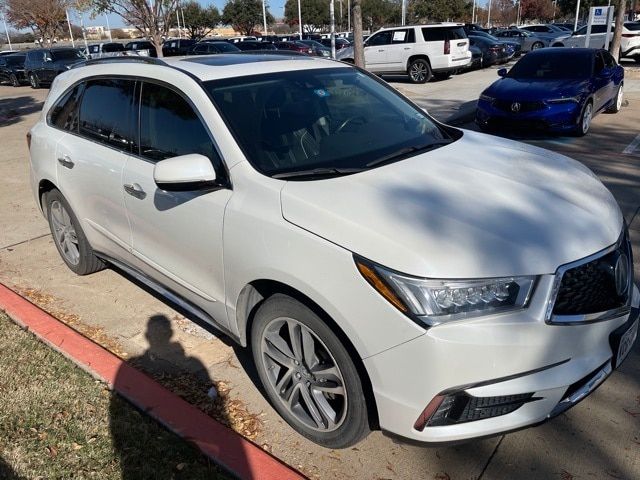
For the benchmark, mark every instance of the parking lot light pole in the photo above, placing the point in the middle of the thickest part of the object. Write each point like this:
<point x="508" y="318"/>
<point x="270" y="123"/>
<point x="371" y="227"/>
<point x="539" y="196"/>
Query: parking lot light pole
<point x="489" y="16"/>
<point x="6" y="30"/>
<point x="333" y="28"/>
<point x="473" y="12"/>
<point x="348" y="15"/>
<point x="300" y="19"/>
<point x="404" y="12"/>
<point x="575" y="25"/>
<point x="106" y="17"/>
<point x="264" y="17"/>
<point x="73" y="44"/>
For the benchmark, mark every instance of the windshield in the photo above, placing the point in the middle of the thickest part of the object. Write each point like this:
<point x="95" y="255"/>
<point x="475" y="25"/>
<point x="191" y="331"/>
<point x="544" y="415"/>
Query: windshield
<point x="66" y="55"/>
<point x="226" y="47"/>
<point x="552" y="65"/>
<point x="337" y="118"/>
<point x="16" y="60"/>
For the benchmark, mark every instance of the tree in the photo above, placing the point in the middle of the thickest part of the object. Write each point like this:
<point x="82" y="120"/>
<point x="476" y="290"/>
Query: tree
<point x="315" y="14"/>
<point x="614" y="48"/>
<point x="358" y="46"/>
<point x="377" y="13"/>
<point x="541" y="10"/>
<point x="153" y="19"/>
<point x="199" y="21"/>
<point x="567" y="8"/>
<point x="45" y="18"/>
<point x="244" y="15"/>
<point x="437" y="10"/>
<point x="119" y="34"/>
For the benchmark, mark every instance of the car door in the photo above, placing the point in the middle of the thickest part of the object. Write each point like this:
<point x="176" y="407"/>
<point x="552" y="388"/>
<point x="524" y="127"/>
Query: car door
<point x="375" y="51"/>
<point x="176" y="236"/>
<point x="400" y="49"/>
<point x="603" y="79"/>
<point x="91" y="156"/>
<point x="48" y="67"/>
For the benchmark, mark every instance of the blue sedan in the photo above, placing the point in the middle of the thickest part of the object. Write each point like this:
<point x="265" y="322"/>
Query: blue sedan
<point x="559" y="90"/>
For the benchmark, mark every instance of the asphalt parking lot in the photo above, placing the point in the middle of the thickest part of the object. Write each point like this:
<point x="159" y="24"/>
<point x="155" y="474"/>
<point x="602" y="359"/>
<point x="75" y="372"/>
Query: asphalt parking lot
<point x="598" y="439"/>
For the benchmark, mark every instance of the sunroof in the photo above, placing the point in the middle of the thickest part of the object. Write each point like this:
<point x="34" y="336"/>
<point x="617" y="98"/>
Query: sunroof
<point x="221" y="60"/>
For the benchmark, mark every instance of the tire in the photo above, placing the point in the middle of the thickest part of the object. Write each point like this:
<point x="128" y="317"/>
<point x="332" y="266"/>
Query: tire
<point x="637" y="59"/>
<point x="617" y="101"/>
<point x="583" y="126"/>
<point x="70" y="240"/>
<point x="13" y="80"/>
<point x="419" y="71"/>
<point x="341" y="419"/>
<point x="33" y="80"/>
<point x="537" y="45"/>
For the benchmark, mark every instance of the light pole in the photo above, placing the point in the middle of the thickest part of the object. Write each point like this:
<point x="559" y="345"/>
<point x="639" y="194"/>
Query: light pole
<point x="575" y="25"/>
<point x="404" y="12"/>
<point x="264" y="16"/>
<point x="66" y="12"/>
<point x="6" y="30"/>
<point x="106" y="17"/>
<point x="489" y="16"/>
<point x="333" y="29"/>
<point x="473" y="12"/>
<point x="518" y="15"/>
<point x="349" y="15"/>
<point x="300" y="19"/>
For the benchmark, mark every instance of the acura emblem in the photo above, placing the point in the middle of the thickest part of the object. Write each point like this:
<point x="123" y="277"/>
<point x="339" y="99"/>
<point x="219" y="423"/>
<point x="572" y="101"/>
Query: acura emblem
<point x="621" y="274"/>
<point x="515" y="107"/>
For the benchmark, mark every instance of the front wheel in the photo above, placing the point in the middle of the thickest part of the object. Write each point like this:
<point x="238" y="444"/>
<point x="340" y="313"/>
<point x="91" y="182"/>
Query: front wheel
<point x="14" y="80"/>
<point x="33" y="80"/>
<point x="617" y="102"/>
<point x="419" y="71"/>
<point x="307" y="373"/>
<point x="585" y="119"/>
<point x="70" y="240"/>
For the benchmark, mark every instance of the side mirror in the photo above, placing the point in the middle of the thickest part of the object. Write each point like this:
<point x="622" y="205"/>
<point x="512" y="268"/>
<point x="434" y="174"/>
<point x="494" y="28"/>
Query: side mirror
<point x="184" y="173"/>
<point x="502" y="72"/>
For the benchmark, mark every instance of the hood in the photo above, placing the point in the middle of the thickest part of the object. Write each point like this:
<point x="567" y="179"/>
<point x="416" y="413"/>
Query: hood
<point x="479" y="207"/>
<point x="527" y="89"/>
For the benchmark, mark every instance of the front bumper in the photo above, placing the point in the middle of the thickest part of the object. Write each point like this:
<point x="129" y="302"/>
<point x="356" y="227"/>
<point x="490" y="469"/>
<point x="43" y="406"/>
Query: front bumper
<point x="500" y="356"/>
<point x="559" y="117"/>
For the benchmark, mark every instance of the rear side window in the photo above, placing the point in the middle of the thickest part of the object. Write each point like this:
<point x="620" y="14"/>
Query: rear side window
<point x="382" y="38"/>
<point x="64" y="114"/>
<point x="169" y="126"/>
<point x="113" y="47"/>
<point x="633" y="26"/>
<point x="106" y="110"/>
<point x="439" y="34"/>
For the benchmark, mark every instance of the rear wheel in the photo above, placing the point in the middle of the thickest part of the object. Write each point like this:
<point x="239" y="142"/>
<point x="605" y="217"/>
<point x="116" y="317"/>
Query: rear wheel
<point x="617" y="101"/>
<point x="419" y="71"/>
<point x="307" y="373"/>
<point x="537" y="45"/>
<point x="70" y="240"/>
<point x="14" y="80"/>
<point x="33" y="80"/>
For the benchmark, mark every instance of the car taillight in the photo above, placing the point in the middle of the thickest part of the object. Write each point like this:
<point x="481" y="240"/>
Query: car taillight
<point x="447" y="47"/>
<point x="29" y="140"/>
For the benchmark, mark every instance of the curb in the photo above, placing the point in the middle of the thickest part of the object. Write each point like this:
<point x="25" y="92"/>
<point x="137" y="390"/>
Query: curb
<point x="221" y="444"/>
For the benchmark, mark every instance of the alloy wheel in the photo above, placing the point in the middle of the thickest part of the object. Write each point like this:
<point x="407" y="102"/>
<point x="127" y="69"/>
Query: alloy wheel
<point x="32" y="80"/>
<point x="536" y="45"/>
<point x="64" y="233"/>
<point x="586" y="117"/>
<point x="619" y="98"/>
<point x="304" y="374"/>
<point x="418" y="72"/>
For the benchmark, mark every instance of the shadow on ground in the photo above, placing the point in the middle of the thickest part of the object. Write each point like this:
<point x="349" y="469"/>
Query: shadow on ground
<point x="6" y="472"/>
<point x="12" y="110"/>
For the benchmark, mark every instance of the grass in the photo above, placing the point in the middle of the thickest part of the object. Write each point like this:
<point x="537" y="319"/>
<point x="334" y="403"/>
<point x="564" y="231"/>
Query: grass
<point x="57" y="422"/>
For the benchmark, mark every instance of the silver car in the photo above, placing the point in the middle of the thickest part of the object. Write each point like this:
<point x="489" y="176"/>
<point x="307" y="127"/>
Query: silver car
<point x="527" y="40"/>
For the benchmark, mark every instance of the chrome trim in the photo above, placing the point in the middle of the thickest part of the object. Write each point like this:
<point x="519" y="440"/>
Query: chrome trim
<point x="595" y="381"/>
<point x="590" y="317"/>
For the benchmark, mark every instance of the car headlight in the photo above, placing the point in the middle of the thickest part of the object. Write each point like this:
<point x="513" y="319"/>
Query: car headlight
<point x="486" y="98"/>
<point x="433" y="302"/>
<point x="564" y="100"/>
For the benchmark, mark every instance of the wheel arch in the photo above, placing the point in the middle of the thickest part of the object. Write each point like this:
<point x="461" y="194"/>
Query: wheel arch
<point x="257" y="291"/>
<point x="420" y="56"/>
<point x="44" y="187"/>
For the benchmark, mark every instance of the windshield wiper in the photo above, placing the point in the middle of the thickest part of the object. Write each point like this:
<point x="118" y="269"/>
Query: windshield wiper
<point x="322" y="172"/>
<point x="407" y="150"/>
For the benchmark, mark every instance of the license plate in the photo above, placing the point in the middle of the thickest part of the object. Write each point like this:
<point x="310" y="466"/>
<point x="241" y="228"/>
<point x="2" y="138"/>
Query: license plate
<point x="626" y="342"/>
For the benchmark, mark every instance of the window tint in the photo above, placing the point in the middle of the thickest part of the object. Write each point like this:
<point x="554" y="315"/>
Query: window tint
<point x="382" y="38"/>
<point x="633" y="26"/>
<point x="64" y="114"/>
<point x="112" y="47"/>
<point x="609" y="61"/>
<point x="456" y="33"/>
<point x="599" y="63"/>
<point x="554" y="65"/>
<point x="170" y="127"/>
<point x="434" y="34"/>
<point x="106" y="110"/>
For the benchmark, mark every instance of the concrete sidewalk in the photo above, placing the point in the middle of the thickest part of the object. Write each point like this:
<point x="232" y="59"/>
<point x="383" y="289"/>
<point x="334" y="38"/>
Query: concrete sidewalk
<point x="600" y="438"/>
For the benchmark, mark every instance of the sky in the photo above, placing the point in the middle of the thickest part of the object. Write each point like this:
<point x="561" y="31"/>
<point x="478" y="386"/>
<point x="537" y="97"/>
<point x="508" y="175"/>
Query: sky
<point x="276" y="7"/>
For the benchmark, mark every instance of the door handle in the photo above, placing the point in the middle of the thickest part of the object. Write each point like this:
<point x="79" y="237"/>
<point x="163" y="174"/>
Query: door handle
<point x="135" y="190"/>
<point x="382" y="50"/>
<point x="65" y="161"/>
<point x="407" y="48"/>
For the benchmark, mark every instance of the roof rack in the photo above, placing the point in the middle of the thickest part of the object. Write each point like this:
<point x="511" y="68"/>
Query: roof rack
<point x="121" y="59"/>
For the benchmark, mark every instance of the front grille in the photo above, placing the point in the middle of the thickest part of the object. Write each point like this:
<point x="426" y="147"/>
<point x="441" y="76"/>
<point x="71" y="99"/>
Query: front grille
<point x="591" y="287"/>
<point x="524" y="107"/>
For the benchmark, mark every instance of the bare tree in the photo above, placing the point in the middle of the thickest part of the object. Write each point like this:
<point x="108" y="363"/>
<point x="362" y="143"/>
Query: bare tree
<point x="45" y="18"/>
<point x="358" y="46"/>
<point x="153" y="18"/>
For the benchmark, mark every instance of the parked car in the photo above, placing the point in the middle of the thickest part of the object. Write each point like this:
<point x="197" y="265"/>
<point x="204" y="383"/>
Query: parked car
<point x="629" y="42"/>
<point x="527" y="40"/>
<point x="317" y="48"/>
<point x="141" y="47"/>
<point x="514" y="49"/>
<point x="565" y="26"/>
<point x="12" y="69"/>
<point x="109" y="49"/>
<point x="295" y="46"/>
<point x="493" y="53"/>
<point x="177" y="46"/>
<point x="242" y="38"/>
<point x="9" y="52"/>
<point x="546" y="31"/>
<point x="210" y="47"/>
<point x="387" y="270"/>
<point x="476" y="58"/>
<point x="42" y="65"/>
<point x="341" y="43"/>
<point x="560" y="90"/>
<point x="420" y="51"/>
<point x="252" y="45"/>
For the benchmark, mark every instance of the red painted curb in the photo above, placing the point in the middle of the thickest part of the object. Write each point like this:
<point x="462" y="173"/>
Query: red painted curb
<point x="224" y="446"/>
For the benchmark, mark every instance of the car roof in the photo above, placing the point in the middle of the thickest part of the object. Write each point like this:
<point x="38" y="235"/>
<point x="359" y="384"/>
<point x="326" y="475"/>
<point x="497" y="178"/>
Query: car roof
<point x="219" y="66"/>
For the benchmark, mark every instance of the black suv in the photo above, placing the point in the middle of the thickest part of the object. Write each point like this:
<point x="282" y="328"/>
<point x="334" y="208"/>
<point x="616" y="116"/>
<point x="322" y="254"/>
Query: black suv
<point x="175" y="47"/>
<point x="141" y="45"/>
<point x="44" y="64"/>
<point x="12" y="69"/>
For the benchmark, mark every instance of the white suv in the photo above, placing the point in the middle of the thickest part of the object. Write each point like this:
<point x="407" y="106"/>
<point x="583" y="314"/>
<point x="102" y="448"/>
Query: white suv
<point x="385" y="270"/>
<point x="419" y="51"/>
<point x="629" y="42"/>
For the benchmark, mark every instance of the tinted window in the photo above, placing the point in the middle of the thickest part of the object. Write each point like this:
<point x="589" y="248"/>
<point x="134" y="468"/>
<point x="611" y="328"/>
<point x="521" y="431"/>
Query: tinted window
<point x="609" y="61"/>
<point x="322" y="118"/>
<point x="456" y="33"/>
<point x="64" y="114"/>
<point x="554" y="65"/>
<point x="382" y="38"/>
<point x="66" y="55"/>
<point x="633" y="26"/>
<point x="35" y="56"/>
<point x="434" y="34"/>
<point x="94" y="48"/>
<point x="14" y="60"/>
<point x="112" y="47"/>
<point x="599" y="65"/>
<point x="106" y="110"/>
<point x="170" y="127"/>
